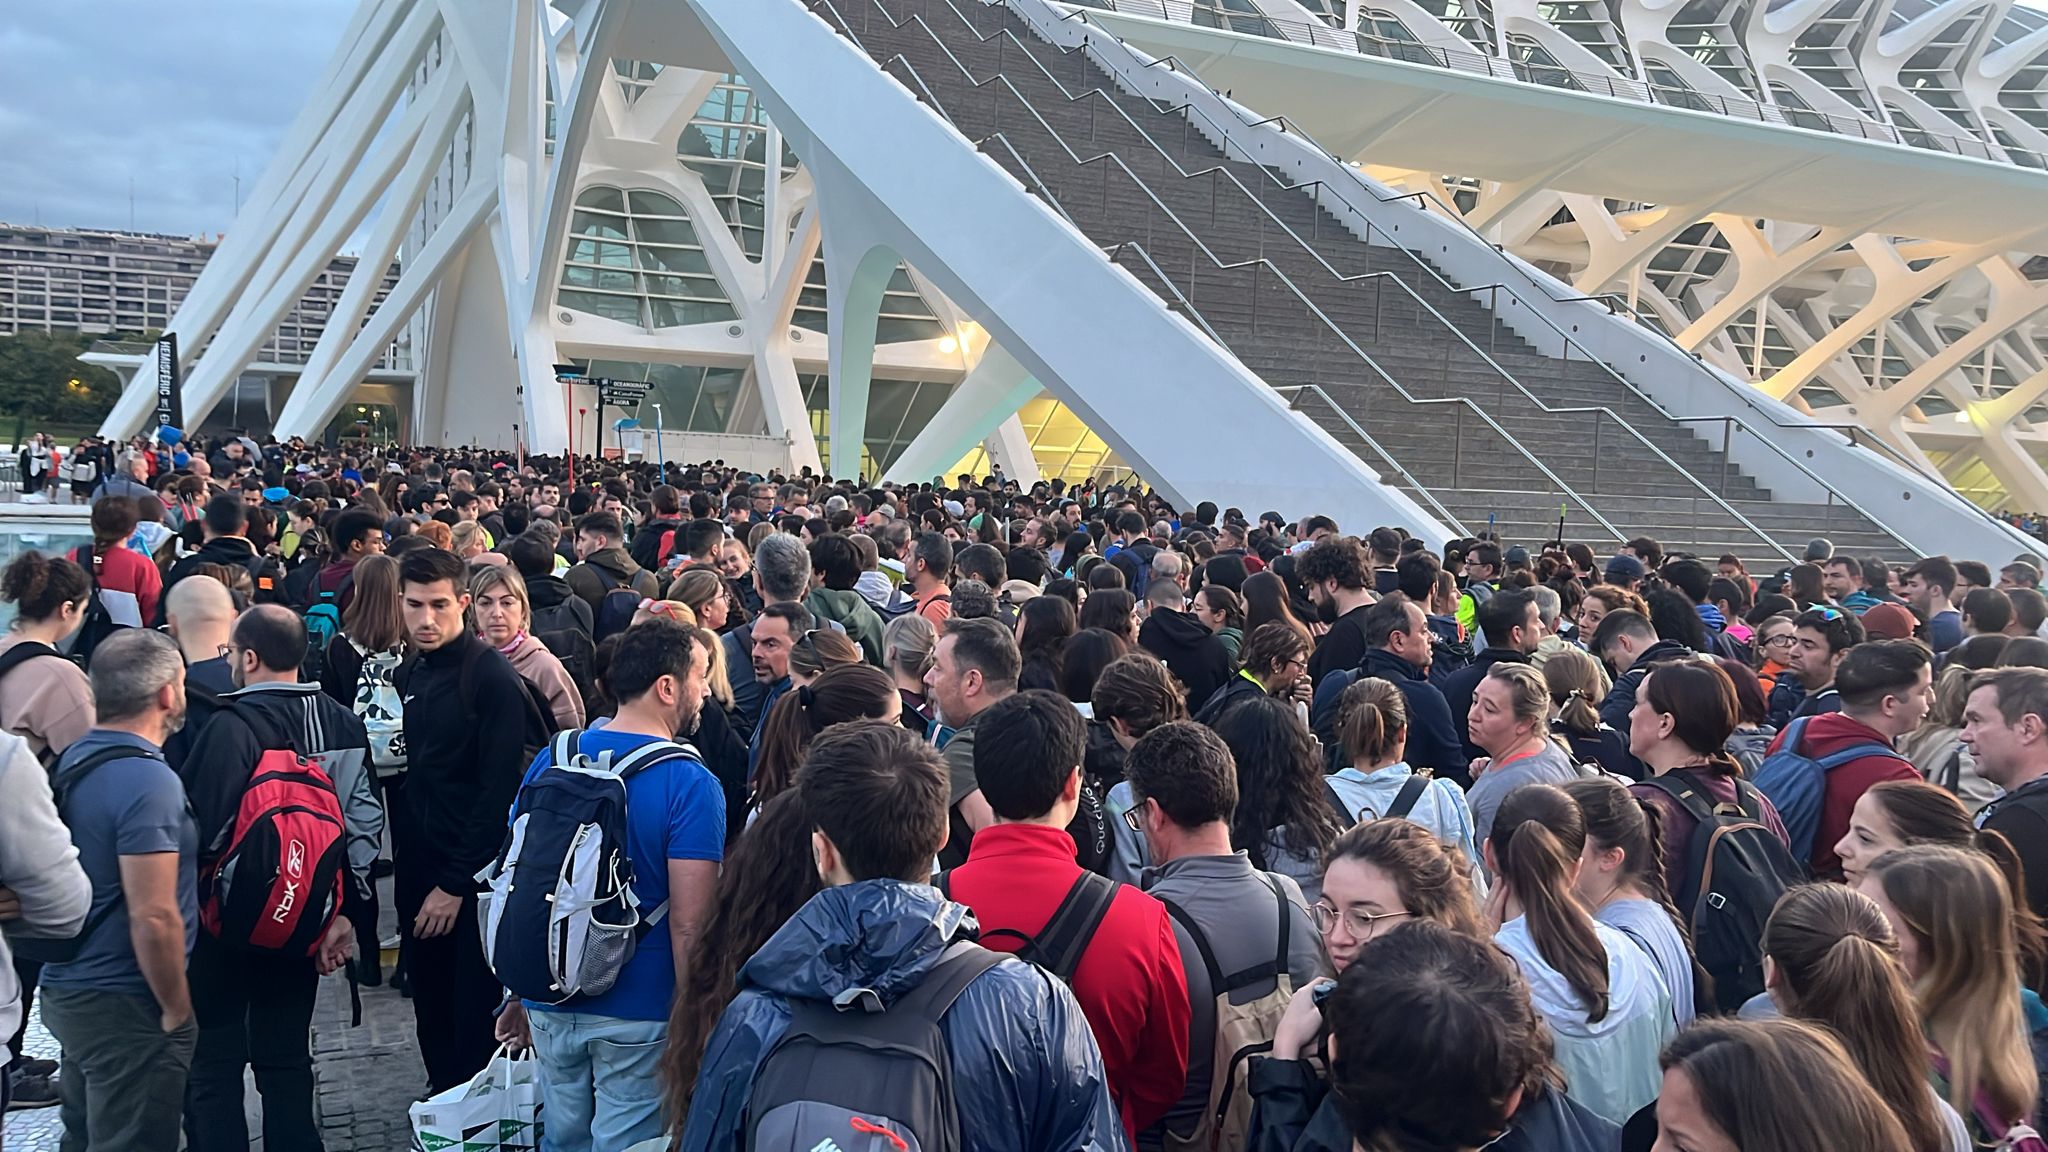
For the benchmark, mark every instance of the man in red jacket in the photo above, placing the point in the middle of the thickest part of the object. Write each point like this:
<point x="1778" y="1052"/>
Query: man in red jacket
<point x="1887" y="687"/>
<point x="1112" y="943"/>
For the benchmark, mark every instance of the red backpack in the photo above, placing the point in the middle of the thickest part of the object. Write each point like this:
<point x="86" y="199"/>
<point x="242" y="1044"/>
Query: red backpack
<point x="278" y="885"/>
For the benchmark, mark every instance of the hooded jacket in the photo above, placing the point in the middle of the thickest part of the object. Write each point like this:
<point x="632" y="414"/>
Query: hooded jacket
<point x="1433" y="739"/>
<point x="1609" y="1065"/>
<point x="1292" y="1111"/>
<point x="226" y="551"/>
<point x="851" y="611"/>
<point x="1130" y="558"/>
<point x="646" y="550"/>
<point x="585" y="582"/>
<point x="1190" y="651"/>
<point x="1027" y="1076"/>
<point x="262" y="717"/>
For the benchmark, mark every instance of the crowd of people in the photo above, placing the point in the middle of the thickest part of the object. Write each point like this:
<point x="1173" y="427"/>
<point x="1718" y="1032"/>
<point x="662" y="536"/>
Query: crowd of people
<point x="780" y="811"/>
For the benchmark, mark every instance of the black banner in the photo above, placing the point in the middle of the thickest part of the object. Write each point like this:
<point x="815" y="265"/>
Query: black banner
<point x="170" y="400"/>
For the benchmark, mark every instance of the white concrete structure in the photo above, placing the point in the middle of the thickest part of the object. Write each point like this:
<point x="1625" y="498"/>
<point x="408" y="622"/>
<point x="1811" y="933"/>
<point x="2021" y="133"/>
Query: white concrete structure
<point x="1836" y="200"/>
<point x="594" y="180"/>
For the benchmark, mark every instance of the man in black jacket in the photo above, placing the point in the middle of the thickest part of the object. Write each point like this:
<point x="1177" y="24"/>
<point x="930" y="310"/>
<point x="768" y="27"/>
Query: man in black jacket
<point x="1629" y="643"/>
<point x="667" y="505"/>
<point x="226" y="518"/>
<point x="254" y="1007"/>
<point x="466" y="730"/>
<point x="1513" y="627"/>
<point x="1190" y="651"/>
<point x="1399" y="634"/>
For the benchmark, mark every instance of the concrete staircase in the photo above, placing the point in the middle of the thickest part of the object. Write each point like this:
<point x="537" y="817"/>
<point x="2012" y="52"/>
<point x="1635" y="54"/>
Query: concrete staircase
<point x="1411" y="373"/>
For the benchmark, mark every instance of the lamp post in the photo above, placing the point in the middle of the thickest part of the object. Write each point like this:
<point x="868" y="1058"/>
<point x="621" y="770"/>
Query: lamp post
<point x="660" y="461"/>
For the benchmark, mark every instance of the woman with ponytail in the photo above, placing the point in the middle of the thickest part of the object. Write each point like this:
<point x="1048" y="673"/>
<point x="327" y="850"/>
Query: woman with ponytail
<point x="1831" y="958"/>
<point x="1621" y="878"/>
<point x="1952" y="914"/>
<point x="841" y="693"/>
<point x="1372" y="722"/>
<point x="1903" y="813"/>
<point x="1604" y="1001"/>
<point x="1577" y="685"/>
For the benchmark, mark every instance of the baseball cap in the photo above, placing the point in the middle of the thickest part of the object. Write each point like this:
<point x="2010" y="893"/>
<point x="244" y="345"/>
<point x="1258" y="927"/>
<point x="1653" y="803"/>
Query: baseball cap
<point x="1517" y="557"/>
<point x="1819" y="548"/>
<point x="1889" y="622"/>
<point x="1625" y="568"/>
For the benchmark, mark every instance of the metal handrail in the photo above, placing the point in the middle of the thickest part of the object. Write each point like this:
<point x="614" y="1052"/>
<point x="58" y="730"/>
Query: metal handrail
<point x="1542" y="406"/>
<point x="1460" y="402"/>
<point x="1426" y="198"/>
<point x="1598" y="84"/>
<point x="1358" y="430"/>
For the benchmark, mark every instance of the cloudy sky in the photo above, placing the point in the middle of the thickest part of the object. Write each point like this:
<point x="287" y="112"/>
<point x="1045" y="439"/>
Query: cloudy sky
<point x="170" y="95"/>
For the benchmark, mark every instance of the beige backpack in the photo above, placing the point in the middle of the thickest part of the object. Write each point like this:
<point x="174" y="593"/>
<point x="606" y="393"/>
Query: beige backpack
<point x="1242" y="1032"/>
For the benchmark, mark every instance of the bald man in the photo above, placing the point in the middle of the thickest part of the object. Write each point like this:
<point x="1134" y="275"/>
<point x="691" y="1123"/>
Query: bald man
<point x="200" y="614"/>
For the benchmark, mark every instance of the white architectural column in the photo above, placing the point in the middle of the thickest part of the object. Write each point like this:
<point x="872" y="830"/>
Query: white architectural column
<point x="978" y="406"/>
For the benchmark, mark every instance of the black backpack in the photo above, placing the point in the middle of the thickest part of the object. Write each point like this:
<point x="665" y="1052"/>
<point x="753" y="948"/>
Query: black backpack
<point x="863" y="1077"/>
<point x="563" y="633"/>
<point x="98" y="623"/>
<point x="1735" y="871"/>
<point x="1059" y="945"/>
<point x="615" y="609"/>
<point x="1404" y="800"/>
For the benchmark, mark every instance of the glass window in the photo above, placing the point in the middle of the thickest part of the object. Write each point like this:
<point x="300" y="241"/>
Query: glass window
<point x="616" y="232"/>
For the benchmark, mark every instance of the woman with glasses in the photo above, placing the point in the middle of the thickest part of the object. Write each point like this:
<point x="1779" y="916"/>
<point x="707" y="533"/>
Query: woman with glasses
<point x="1773" y="650"/>
<point x="708" y="596"/>
<point x="1381" y="874"/>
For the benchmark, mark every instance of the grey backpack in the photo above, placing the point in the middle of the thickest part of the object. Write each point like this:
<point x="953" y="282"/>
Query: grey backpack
<point x="852" y="1076"/>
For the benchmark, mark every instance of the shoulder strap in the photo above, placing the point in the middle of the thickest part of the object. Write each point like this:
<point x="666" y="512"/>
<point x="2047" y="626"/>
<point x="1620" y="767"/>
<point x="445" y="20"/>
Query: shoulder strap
<point x="1066" y="936"/>
<point x="1411" y="791"/>
<point x="1337" y="805"/>
<point x="652" y="753"/>
<point x="959" y="965"/>
<point x="1835" y="760"/>
<point x="1686" y="795"/>
<point x="22" y="653"/>
<point x="1188" y="925"/>
<point x="943" y="881"/>
<point x="564" y="749"/>
<point x="70" y="776"/>
<point x="1951" y="774"/>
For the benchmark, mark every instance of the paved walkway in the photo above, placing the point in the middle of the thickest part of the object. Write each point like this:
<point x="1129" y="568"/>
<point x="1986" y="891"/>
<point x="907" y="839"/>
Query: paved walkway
<point x="366" y="1078"/>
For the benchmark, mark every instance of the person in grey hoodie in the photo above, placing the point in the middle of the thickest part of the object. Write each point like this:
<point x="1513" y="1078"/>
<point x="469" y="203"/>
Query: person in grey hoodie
<point x="43" y="889"/>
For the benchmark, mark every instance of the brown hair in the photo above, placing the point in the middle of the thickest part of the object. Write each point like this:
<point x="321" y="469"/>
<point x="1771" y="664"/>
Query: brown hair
<point x="1778" y="1085"/>
<point x="1700" y="699"/>
<point x="1138" y="690"/>
<point x="1921" y="813"/>
<point x="375" y="618"/>
<point x="842" y="693"/>
<point x="1432" y="876"/>
<point x="1618" y="599"/>
<point x="1537" y="836"/>
<point x="1271" y="646"/>
<point x="1959" y="910"/>
<point x="1617" y="818"/>
<point x="768" y="875"/>
<point x="1838" y="965"/>
<point x="1577" y="684"/>
<point x="1372" y="717"/>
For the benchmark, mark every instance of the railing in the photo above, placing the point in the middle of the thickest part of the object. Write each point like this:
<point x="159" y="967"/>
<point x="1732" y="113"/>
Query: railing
<point x="1607" y="84"/>
<point x="1503" y="378"/>
<point x="1110" y="161"/>
<point x="1425" y="200"/>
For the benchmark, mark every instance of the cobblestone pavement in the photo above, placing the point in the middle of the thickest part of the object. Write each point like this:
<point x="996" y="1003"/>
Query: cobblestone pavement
<point x="365" y="1079"/>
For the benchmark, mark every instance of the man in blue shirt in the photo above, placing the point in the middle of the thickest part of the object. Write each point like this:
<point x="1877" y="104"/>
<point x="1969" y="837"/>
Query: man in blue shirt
<point x="1928" y="586"/>
<point x="675" y="836"/>
<point x="121" y="1007"/>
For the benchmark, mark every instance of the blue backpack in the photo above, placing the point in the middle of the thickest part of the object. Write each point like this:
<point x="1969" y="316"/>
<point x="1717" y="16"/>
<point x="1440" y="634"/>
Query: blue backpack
<point x="558" y="913"/>
<point x="616" y="610"/>
<point x="1796" y="782"/>
<point x="323" y="623"/>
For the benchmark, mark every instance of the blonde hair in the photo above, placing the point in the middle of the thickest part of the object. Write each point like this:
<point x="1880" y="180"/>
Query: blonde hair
<point x="490" y="578"/>
<point x="696" y="587"/>
<point x="466" y="533"/>
<point x="1959" y="910"/>
<point x="1528" y="695"/>
<point x="716" y="676"/>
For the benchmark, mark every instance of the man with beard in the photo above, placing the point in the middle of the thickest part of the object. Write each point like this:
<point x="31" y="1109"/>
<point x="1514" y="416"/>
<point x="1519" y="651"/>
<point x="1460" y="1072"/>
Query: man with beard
<point x="120" y="1006"/>
<point x="255" y="1006"/>
<point x="675" y="815"/>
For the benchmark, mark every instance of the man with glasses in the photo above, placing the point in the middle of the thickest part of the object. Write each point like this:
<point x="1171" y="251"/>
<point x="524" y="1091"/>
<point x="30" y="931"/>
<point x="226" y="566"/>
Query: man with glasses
<point x="1227" y="915"/>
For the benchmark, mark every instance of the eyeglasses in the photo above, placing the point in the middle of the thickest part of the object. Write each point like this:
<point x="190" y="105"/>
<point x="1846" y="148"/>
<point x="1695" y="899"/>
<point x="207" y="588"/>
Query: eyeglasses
<point x="1359" y="925"/>
<point x="227" y="652"/>
<point x="1786" y="640"/>
<point x="1132" y="818"/>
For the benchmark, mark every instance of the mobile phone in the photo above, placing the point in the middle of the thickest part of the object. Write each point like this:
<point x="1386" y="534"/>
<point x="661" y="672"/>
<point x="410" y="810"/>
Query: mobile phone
<point x="1323" y="988"/>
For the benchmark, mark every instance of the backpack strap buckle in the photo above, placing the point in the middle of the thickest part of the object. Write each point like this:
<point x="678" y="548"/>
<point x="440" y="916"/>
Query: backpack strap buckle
<point x="866" y="999"/>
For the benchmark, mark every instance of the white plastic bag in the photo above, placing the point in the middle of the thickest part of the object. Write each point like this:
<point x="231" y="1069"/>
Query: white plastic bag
<point x="497" y="1111"/>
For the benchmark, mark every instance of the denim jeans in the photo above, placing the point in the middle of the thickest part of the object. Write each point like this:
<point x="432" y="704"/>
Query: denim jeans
<point x="598" y="1082"/>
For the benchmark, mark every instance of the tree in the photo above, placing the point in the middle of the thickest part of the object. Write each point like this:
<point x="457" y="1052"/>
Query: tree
<point x="43" y="380"/>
